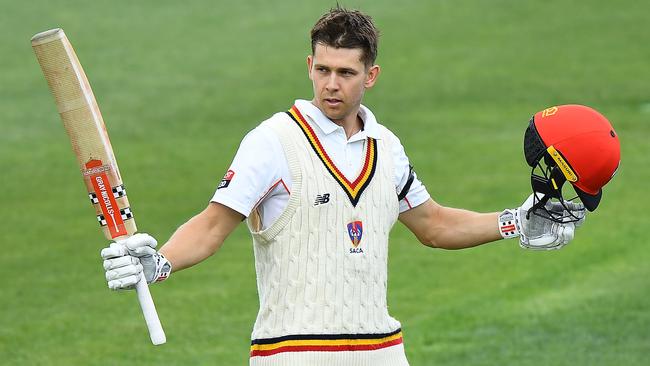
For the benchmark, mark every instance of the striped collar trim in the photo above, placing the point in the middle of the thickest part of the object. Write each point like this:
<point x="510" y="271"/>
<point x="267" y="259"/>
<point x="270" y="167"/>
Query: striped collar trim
<point x="325" y="343"/>
<point x="352" y="189"/>
<point x="370" y="124"/>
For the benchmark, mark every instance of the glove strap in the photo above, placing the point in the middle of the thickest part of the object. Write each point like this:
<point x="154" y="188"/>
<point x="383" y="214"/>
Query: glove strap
<point x="163" y="268"/>
<point x="508" y="225"/>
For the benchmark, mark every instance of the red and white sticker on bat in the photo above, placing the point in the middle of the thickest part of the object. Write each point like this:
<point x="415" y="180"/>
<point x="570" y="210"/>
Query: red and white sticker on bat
<point x="96" y="172"/>
<point x="226" y="179"/>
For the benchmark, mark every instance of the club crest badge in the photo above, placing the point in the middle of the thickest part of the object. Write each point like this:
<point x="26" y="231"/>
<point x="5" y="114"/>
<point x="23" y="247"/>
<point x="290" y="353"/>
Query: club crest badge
<point x="355" y="231"/>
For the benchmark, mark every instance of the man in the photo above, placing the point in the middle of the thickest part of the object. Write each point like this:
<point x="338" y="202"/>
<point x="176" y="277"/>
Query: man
<point x="321" y="186"/>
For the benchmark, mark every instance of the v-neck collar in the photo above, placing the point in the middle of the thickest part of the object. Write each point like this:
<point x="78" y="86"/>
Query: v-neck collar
<point x="352" y="189"/>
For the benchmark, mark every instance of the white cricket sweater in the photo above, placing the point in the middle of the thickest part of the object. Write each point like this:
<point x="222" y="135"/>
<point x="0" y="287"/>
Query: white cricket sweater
<point x="322" y="266"/>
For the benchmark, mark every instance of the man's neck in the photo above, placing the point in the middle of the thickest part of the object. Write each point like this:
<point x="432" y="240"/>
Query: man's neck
<point x="351" y="127"/>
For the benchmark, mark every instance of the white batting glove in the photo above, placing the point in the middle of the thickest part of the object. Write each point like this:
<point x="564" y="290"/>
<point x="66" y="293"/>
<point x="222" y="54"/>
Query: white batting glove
<point x="540" y="233"/>
<point x="124" y="260"/>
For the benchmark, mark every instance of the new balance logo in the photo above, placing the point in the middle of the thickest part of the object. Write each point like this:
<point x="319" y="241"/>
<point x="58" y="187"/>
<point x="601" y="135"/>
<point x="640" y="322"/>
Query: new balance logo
<point x="322" y="199"/>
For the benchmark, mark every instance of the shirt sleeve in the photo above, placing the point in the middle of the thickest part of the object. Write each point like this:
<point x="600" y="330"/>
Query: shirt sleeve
<point x="254" y="169"/>
<point x="417" y="193"/>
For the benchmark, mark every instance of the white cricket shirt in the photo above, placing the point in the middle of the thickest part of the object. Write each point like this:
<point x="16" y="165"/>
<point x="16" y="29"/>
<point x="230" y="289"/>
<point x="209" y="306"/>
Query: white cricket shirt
<point x="259" y="178"/>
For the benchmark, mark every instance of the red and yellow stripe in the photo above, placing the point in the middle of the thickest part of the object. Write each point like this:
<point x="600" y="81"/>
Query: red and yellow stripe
<point x="325" y="343"/>
<point x="352" y="189"/>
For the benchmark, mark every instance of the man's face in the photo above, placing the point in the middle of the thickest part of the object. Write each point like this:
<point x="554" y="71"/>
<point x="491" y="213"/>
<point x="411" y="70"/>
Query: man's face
<point x="339" y="78"/>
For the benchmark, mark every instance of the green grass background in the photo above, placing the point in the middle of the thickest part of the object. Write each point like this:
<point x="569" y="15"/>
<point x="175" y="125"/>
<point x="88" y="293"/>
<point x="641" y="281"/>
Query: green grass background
<point x="180" y="83"/>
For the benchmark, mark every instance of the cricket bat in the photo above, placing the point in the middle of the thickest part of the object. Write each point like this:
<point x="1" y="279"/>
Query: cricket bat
<point x="84" y="124"/>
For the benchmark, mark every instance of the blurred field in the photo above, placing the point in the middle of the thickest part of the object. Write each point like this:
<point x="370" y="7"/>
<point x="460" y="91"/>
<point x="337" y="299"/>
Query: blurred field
<point x="180" y="83"/>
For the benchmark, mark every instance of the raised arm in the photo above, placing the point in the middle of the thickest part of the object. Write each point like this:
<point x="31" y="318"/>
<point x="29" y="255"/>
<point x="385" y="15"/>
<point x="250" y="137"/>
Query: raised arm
<point x="451" y="228"/>
<point x="193" y="242"/>
<point x="256" y="164"/>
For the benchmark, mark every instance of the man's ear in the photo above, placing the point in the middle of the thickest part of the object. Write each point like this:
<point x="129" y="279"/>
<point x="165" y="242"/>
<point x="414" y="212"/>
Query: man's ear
<point x="371" y="77"/>
<point x="310" y="61"/>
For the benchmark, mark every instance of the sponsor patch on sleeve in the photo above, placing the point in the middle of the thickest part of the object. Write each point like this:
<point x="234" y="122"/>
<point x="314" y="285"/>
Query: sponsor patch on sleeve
<point x="226" y="179"/>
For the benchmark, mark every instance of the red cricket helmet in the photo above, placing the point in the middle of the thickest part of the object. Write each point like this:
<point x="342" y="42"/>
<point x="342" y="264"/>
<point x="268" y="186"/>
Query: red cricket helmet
<point x="579" y="145"/>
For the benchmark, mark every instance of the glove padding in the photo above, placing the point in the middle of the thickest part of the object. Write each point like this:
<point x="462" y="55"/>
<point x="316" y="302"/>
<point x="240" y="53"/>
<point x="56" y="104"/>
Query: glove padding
<point x="541" y="233"/>
<point x="124" y="260"/>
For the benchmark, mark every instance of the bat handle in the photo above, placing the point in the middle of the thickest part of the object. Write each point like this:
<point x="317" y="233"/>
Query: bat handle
<point x="156" y="332"/>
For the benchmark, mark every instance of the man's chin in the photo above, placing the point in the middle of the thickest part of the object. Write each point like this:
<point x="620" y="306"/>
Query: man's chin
<point x="334" y="117"/>
<point x="333" y="113"/>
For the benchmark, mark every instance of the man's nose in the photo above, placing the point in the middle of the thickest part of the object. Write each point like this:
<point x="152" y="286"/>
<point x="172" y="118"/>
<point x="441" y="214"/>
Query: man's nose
<point x="332" y="82"/>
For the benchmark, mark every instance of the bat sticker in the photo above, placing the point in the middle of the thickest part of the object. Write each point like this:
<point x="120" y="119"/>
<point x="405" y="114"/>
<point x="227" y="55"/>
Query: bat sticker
<point x="106" y="199"/>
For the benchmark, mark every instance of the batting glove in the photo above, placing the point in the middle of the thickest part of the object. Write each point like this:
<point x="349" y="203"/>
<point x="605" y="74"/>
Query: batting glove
<point x="124" y="260"/>
<point x="537" y="232"/>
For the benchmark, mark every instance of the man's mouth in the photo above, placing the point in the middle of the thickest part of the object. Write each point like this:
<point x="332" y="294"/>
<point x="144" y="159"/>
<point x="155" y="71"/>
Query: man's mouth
<point x="333" y="101"/>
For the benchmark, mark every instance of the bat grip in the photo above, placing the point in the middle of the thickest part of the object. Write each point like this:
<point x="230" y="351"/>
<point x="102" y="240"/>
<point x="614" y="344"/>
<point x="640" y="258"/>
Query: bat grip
<point x="156" y="332"/>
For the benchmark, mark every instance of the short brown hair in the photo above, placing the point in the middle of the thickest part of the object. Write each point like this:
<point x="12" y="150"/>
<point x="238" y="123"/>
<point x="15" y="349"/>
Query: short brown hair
<point x="342" y="28"/>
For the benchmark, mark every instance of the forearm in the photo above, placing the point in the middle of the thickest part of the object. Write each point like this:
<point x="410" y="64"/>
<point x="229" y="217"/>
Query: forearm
<point x="190" y="245"/>
<point x="458" y="228"/>
<point x="200" y="237"/>
<point x="450" y="228"/>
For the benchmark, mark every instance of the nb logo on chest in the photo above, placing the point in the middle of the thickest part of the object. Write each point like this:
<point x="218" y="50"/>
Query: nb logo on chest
<point x="322" y="199"/>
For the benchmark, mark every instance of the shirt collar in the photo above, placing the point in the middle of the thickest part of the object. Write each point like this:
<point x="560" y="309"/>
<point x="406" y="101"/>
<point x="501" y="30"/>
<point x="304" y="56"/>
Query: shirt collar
<point x="317" y="117"/>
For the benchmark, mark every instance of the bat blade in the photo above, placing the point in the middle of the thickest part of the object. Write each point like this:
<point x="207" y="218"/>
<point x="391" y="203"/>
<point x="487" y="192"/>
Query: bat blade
<point x="85" y="127"/>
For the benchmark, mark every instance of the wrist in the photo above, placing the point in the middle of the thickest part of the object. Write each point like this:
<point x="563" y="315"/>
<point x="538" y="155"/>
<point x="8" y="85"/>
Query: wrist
<point x="163" y="268"/>
<point x="508" y="224"/>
